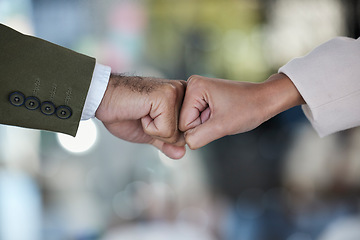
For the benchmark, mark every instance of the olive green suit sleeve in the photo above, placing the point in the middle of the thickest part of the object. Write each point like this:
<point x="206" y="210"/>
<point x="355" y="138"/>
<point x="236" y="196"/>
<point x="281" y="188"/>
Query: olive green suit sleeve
<point x="42" y="85"/>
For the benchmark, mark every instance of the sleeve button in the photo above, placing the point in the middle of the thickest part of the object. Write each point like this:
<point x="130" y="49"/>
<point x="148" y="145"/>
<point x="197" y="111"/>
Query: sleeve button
<point x="32" y="103"/>
<point x="17" y="99"/>
<point x="63" y="112"/>
<point x="47" y="108"/>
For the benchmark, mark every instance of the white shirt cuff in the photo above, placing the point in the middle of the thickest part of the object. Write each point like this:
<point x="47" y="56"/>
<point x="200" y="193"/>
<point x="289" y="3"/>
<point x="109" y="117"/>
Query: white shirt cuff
<point x="99" y="82"/>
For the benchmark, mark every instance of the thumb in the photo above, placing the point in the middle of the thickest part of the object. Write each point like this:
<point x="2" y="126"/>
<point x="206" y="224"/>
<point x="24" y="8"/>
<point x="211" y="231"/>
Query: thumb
<point x="194" y="111"/>
<point x="170" y="150"/>
<point x="203" y="134"/>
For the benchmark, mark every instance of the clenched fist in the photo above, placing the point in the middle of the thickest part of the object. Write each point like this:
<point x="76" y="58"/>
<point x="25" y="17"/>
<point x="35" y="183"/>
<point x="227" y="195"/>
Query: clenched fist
<point x="144" y="110"/>
<point x="214" y="108"/>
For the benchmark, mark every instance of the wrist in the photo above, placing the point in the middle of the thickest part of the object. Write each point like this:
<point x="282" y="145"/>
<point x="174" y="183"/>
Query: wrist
<point x="279" y="94"/>
<point x="101" y="112"/>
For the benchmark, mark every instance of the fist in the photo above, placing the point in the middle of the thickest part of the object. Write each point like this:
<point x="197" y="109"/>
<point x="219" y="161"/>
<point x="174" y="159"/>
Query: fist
<point x="145" y="110"/>
<point x="214" y="108"/>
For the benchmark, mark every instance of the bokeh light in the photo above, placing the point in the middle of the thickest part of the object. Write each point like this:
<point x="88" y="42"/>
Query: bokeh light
<point x="84" y="140"/>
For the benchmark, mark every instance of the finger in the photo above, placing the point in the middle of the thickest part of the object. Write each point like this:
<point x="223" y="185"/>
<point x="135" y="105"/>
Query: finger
<point x="176" y="140"/>
<point x="162" y="121"/>
<point x="149" y="126"/>
<point x="172" y="151"/>
<point x="128" y="130"/>
<point x="162" y="128"/>
<point x="193" y="106"/>
<point x="205" y="115"/>
<point x="204" y="134"/>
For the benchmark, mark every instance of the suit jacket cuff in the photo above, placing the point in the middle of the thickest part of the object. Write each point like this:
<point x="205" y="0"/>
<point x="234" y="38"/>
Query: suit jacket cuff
<point x="96" y="91"/>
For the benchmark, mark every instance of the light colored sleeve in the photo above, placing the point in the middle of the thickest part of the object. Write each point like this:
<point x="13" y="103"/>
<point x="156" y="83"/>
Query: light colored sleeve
<point x="328" y="79"/>
<point x="99" y="82"/>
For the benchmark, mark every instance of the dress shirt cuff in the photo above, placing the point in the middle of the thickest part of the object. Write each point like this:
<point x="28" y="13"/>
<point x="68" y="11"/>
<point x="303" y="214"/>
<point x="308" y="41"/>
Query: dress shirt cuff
<point x="96" y="91"/>
<point x="327" y="79"/>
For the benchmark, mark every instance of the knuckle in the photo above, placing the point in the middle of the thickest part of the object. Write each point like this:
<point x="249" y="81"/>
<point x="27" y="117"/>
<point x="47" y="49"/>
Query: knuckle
<point x="195" y="81"/>
<point x="170" y="87"/>
<point x="177" y="84"/>
<point x="194" y="78"/>
<point x="170" y="91"/>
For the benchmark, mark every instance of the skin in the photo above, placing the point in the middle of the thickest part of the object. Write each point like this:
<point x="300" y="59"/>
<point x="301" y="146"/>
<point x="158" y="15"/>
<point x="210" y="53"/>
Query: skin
<point x="144" y="110"/>
<point x="214" y="108"/>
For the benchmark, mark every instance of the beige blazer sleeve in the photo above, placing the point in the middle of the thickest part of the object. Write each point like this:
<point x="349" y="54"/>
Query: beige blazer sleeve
<point x="328" y="78"/>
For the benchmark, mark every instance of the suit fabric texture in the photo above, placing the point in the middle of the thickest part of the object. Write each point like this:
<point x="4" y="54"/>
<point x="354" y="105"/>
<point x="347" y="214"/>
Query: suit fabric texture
<point x="43" y="85"/>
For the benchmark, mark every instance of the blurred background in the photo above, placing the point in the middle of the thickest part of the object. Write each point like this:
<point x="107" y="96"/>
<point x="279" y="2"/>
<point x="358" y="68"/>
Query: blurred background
<point x="279" y="181"/>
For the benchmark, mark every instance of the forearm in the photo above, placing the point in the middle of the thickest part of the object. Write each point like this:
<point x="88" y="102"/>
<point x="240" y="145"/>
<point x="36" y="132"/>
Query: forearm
<point x="279" y="94"/>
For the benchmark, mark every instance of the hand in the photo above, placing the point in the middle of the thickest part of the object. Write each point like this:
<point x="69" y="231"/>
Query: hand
<point x="214" y="108"/>
<point x="144" y="110"/>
